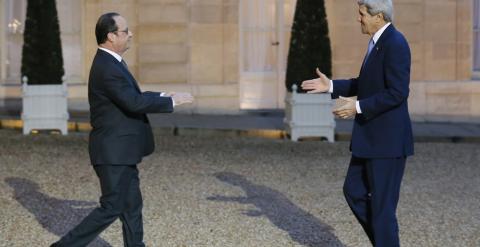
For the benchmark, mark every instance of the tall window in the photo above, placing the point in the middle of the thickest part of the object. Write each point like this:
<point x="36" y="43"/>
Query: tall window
<point x="265" y="27"/>
<point x="12" y="40"/>
<point x="259" y="32"/>
<point x="476" y="35"/>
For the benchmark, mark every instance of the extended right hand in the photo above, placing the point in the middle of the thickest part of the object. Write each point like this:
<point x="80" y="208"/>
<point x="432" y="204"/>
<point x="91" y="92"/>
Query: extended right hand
<point x="181" y="98"/>
<point x="319" y="85"/>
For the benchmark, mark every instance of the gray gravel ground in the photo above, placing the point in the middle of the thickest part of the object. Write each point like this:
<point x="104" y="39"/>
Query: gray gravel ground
<point x="224" y="191"/>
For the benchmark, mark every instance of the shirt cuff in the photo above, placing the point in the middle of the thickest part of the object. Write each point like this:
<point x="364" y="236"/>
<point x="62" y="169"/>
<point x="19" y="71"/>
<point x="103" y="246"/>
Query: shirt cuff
<point x="173" y="101"/>
<point x="357" y="105"/>
<point x="330" y="90"/>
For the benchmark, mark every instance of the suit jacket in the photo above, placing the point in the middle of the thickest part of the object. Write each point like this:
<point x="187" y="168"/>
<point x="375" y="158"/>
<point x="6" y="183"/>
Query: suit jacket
<point x="121" y="133"/>
<point x="383" y="130"/>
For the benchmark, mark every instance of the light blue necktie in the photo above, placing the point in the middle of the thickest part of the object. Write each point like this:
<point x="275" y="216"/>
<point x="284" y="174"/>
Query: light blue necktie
<point x="371" y="44"/>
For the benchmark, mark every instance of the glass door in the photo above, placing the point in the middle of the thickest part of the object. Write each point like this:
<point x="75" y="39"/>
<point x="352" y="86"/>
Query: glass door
<point x="264" y="40"/>
<point x="14" y="12"/>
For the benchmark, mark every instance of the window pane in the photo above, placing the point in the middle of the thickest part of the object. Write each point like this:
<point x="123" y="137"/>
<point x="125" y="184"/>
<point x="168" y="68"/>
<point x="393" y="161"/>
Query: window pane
<point x="15" y="14"/>
<point x="476" y="35"/>
<point x="259" y="52"/>
<point x="476" y="14"/>
<point x="476" y="52"/>
<point x="259" y="20"/>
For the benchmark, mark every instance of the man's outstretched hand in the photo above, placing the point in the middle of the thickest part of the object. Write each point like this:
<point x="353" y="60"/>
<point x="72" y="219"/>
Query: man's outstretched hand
<point x="318" y="85"/>
<point x="181" y="98"/>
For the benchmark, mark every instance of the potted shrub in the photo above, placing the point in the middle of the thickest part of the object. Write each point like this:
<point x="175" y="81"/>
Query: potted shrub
<point x="308" y="115"/>
<point x="44" y="94"/>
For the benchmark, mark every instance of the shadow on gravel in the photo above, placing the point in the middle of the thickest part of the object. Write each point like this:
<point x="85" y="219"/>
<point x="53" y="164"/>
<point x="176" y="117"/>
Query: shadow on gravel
<point x="302" y="227"/>
<point x="55" y="215"/>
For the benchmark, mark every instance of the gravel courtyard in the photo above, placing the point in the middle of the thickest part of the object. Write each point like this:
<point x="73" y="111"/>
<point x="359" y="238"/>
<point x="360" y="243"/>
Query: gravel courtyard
<point x="234" y="191"/>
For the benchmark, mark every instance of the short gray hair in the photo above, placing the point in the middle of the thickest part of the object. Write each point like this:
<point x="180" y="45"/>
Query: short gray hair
<point x="375" y="7"/>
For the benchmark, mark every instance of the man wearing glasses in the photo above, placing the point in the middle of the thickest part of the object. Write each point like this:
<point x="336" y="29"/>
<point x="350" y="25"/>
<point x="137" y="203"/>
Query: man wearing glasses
<point x="121" y="135"/>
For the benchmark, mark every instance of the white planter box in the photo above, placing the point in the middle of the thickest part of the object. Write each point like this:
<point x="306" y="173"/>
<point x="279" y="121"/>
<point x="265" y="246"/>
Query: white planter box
<point x="309" y="115"/>
<point x="44" y="107"/>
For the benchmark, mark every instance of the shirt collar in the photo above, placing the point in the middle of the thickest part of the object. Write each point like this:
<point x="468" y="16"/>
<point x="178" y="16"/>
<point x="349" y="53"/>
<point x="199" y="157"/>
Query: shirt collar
<point x="115" y="55"/>
<point x="377" y="35"/>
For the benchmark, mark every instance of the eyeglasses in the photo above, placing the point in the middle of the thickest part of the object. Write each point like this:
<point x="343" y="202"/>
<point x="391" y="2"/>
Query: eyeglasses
<point x="122" y="31"/>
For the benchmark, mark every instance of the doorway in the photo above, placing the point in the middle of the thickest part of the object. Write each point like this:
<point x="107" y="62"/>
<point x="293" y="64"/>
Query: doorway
<point x="265" y="29"/>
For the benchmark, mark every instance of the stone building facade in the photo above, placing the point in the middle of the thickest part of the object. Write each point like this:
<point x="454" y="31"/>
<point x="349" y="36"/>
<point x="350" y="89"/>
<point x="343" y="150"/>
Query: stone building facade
<point x="231" y="54"/>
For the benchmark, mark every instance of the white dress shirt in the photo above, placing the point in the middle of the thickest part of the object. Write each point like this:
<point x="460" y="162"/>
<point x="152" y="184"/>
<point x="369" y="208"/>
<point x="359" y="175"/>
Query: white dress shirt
<point x="375" y="38"/>
<point x="114" y="54"/>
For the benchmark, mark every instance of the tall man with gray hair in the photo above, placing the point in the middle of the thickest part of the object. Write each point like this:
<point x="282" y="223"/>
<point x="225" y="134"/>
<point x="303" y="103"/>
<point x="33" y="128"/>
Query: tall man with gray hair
<point x="382" y="134"/>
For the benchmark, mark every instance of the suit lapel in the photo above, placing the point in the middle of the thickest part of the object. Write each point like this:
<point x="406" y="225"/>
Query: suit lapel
<point x="378" y="46"/>
<point x="129" y="76"/>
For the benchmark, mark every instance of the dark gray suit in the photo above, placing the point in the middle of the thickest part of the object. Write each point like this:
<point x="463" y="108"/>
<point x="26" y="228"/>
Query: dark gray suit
<point x="121" y="132"/>
<point x="120" y="137"/>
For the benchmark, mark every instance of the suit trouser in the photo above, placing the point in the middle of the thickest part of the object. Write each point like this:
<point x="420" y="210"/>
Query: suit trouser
<point x="121" y="198"/>
<point x="372" y="190"/>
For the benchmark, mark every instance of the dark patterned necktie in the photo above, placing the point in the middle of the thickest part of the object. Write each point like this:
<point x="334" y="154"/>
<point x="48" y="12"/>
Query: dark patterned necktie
<point x="124" y="64"/>
<point x="133" y="80"/>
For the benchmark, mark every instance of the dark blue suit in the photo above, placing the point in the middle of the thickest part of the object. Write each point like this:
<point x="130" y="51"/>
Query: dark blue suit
<point x="381" y="138"/>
